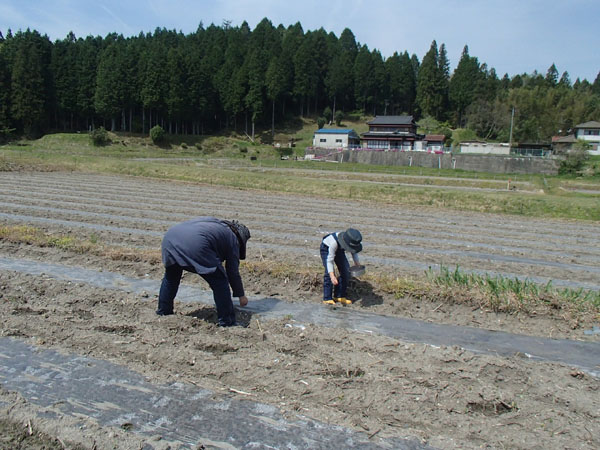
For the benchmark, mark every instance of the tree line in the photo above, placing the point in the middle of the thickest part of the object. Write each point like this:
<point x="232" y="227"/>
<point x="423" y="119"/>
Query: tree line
<point x="225" y="77"/>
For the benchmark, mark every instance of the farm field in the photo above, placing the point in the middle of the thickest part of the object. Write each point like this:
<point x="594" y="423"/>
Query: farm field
<point x="384" y="388"/>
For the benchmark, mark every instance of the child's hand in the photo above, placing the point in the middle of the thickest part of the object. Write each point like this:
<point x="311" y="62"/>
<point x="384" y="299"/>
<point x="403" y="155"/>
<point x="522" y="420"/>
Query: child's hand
<point x="334" y="280"/>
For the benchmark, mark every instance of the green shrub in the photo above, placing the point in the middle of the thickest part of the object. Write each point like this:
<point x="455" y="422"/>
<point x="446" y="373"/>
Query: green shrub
<point x="5" y="134"/>
<point x="339" y="116"/>
<point x="99" y="137"/>
<point x="574" y="161"/>
<point x="354" y="117"/>
<point x="157" y="134"/>
<point x="321" y="122"/>
<point x="463" y="134"/>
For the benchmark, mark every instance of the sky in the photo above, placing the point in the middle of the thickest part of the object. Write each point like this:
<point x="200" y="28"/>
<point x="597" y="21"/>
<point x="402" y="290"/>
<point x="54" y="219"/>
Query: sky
<point x="511" y="36"/>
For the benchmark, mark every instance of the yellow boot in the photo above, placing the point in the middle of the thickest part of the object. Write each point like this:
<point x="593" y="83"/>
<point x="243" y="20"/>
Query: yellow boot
<point x="343" y="301"/>
<point x="329" y="302"/>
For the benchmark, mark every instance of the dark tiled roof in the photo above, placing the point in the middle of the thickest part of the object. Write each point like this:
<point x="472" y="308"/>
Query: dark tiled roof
<point x="391" y="120"/>
<point x="592" y="124"/>
<point x="388" y="136"/>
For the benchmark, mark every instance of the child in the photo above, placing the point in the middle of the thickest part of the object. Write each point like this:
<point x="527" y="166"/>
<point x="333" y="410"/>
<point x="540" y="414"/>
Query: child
<point x="333" y="248"/>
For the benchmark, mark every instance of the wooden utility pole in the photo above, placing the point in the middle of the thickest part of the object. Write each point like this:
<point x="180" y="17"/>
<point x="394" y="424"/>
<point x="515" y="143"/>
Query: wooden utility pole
<point x="512" y="117"/>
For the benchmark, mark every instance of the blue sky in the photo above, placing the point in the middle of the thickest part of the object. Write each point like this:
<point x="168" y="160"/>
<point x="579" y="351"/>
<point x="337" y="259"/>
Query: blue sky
<point x="513" y="36"/>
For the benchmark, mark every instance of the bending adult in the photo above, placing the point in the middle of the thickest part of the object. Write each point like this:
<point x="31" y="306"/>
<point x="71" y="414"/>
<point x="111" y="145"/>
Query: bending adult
<point x="201" y="245"/>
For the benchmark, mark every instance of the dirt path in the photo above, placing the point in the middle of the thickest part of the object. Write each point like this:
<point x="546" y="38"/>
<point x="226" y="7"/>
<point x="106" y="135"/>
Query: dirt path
<point x="446" y="397"/>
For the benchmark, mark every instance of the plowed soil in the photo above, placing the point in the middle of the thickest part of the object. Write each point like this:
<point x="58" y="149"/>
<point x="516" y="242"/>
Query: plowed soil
<point x="446" y="397"/>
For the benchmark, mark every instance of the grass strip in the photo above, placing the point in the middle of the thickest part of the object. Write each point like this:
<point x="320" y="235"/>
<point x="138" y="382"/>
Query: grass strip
<point x="513" y="294"/>
<point x="563" y="205"/>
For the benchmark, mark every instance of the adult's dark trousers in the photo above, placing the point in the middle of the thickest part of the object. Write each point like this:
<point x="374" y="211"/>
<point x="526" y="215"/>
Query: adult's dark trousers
<point x="340" y="260"/>
<point x="217" y="281"/>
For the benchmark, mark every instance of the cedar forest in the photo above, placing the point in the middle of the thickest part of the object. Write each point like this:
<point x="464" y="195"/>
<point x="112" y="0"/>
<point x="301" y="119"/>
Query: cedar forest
<point x="225" y="78"/>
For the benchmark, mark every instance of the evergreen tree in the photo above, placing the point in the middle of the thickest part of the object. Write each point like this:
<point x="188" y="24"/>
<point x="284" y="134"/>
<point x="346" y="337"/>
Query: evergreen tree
<point x="86" y="68"/>
<point x="393" y="67"/>
<point x="339" y="81"/>
<point x="5" y="89"/>
<point x="264" y="43"/>
<point x="275" y="86"/>
<point x="552" y="76"/>
<point x="443" y="80"/>
<point x="201" y="93"/>
<point x="290" y="43"/>
<point x="347" y="43"/>
<point x="505" y="82"/>
<point x="461" y="92"/>
<point x="323" y="47"/>
<point x="109" y="96"/>
<point x="176" y="100"/>
<point x="363" y="77"/>
<point x="401" y="82"/>
<point x="430" y="95"/>
<point x="154" y="80"/>
<point x="30" y="82"/>
<point x="305" y="74"/>
<point x="379" y="83"/>
<point x="565" y="80"/>
<point x="409" y="71"/>
<point x="64" y="59"/>
<point x="516" y="81"/>
<point x="130" y="56"/>
<point x="596" y="85"/>
<point x="254" y="99"/>
<point x="492" y="84"/>
<point x="231" y="79"/>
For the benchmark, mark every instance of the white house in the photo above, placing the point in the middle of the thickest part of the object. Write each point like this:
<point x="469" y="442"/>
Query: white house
<point x="485" y="148"/>
<point x="589" y="132"/>
<point x="336" y="138"/>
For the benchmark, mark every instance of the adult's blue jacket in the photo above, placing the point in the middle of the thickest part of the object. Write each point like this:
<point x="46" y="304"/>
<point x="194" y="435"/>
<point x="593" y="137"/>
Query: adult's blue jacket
<point x="201" y="245"/>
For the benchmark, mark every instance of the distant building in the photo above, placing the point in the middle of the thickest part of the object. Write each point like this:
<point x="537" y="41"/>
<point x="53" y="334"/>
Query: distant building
<point x="485" y="148"/>
<point x="336" y="138"/>
<point x="434" y="143"/>
<point x="589" y="132"/>
<point x="562" y="144"/>
<point x="390" y="133"/>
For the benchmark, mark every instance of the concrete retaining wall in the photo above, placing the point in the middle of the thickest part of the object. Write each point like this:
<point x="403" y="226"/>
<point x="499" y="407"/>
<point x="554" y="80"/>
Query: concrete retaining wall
<point x="476" y="163"/>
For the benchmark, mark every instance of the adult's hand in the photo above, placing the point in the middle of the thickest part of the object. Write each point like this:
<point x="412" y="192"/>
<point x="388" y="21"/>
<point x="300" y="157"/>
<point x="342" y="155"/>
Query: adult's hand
<point x="243" y="300"/>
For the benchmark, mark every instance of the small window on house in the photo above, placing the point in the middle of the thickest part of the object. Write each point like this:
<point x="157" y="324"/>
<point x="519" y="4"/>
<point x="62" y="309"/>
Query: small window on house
<point x="338" y="140"/>
<point x="323" y="140"/>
